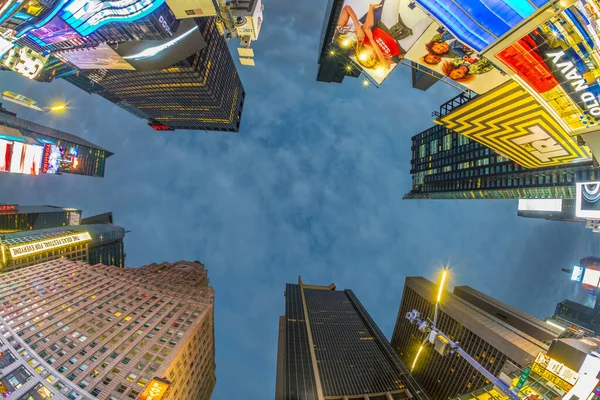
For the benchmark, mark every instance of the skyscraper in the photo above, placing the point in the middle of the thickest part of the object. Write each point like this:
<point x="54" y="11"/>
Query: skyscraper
<point x="30" y="148"/>
<point x="496" y="335"/>
<point x="448" y="165"/>
<point x="71" y="329"/>
<point x="17" y="218"/>
<point x="202" y="91"/>
<point x="330" y="348"/>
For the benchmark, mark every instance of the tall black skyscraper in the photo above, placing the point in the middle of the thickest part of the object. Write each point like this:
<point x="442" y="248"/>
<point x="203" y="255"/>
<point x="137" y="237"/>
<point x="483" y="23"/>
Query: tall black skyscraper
<point x="330" y="348"/>
<point x="200" y="92"/>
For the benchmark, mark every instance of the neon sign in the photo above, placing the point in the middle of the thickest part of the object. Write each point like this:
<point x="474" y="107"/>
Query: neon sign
<point x="161" y="127"/>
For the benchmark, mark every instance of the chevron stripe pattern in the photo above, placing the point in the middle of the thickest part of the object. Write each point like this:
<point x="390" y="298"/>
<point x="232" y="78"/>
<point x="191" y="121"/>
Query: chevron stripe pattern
<point x="511" y="121"/>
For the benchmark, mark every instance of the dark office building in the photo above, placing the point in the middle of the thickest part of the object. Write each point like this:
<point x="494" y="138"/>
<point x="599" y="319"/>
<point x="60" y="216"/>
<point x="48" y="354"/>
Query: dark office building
<point x="15" y="218"/>
<point x="200" y="92"/>
<point x="91" y="159"/>
<point x="448" y="165"/>
<point x="107" y="245"/>
<point x="494" y="335"/>
<point x="423" y="78"/>
<point x="329" y="347"/>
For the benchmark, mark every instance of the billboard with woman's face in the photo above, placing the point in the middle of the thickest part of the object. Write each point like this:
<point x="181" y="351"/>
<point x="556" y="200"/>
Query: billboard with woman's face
<point x="376" y="34"/>
<point x="441" y="52"/>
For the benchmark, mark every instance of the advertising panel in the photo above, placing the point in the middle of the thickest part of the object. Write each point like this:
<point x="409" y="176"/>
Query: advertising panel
<point x="587" y="204"/>
<point x="438" y="50"/>
<point x="20" y="100"/>
<point x="155" y="390"/>
<point x="479" y="23"/>
<point x="550" y="377"/>
<point x="560" y="60"/>
<point x="149" y="55"/>
<point x="510" y="121"/>
<point x="5" y="46"/>
<point x="26" y="158"/>
<point x="25" y="61"/>
<point x="100" y="57"/>
<point x="376" y="35"/>
<point x="5" y="155"/>
<point x="591" y="277"/>
<point x="192" y="8"/>
<point x="24" y="250"/>
<point x="59" y="159"/>
<point x="549" y="205"/>
<point x="55" y="31"/>
<point x="577" y="274"/>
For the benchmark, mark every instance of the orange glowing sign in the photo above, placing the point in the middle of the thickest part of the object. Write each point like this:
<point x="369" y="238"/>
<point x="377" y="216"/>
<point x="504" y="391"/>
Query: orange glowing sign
<point x="155" y="389"/>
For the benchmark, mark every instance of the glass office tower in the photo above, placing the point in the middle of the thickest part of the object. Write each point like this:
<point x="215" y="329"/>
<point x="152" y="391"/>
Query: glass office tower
<point x="17" y="218"/>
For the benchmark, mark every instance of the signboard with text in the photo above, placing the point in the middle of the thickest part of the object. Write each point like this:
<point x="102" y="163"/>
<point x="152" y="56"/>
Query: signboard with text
<point x="24" y="250"/>
<point x="155" y="390"/>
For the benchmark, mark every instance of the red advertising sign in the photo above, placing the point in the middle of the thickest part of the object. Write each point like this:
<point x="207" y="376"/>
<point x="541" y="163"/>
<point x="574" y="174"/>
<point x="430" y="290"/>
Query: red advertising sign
<point x="6" y="208"/>
<point x="46" y="158"/>
<point x="158" y="127"/>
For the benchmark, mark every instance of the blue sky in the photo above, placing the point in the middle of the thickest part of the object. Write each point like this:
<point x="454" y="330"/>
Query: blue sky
<point x="311" y="186"/>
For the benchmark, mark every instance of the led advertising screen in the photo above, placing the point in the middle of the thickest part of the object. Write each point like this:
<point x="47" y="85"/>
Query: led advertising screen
<point x="59" y="159"/>
<point x="577" y="274"/>
<point x="479" y="23"/>
<point x="55" y="31"/>
<point x="100" y="57"/>
<point x="376" y="35"/>
<point x="26" y="158"/>
<point x="512" y="122"/>
<point x="24" y="250"/>
<point x="5" y="155"/>
<point x="438" y="50"/>
<point x="5" y="46"/>
<point x="587" y="200"/>
<point x="591" y="277"/>
<point x="560" y="60"/>
<point x="149" y="55"/>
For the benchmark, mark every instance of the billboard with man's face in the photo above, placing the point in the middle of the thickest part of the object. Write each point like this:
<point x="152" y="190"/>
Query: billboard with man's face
<point x="438" y="50"/>
<point x="376" y="35"/>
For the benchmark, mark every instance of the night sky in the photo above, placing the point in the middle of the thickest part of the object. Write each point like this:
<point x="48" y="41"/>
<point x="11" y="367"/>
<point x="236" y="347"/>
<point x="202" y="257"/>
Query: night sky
<point x="312" y="185"/>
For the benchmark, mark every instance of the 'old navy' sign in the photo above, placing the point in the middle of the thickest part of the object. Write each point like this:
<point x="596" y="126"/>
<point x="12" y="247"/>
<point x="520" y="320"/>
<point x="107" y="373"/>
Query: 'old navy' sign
<point x="544" y="145"/>
<point x="577" y="81"/>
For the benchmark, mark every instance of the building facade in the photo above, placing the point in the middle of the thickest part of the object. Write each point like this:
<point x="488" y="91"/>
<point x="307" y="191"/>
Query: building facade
<point x="16" y="218"/>
<point x="448" y="165"/>
<point x="497" y="341"/>
<point x="330" y="348"/>
<point x="200" y="92"/>
<point x="38" y="149"/>
<point x="95" y="332"/>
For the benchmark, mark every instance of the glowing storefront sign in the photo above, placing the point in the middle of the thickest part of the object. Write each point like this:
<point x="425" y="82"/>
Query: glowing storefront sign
<point x="155" y="390"/>
<point x="25" y="250"/>
<point x="512" y="122"/>
<point x="577" y="274"/>
<point x="560" y="60"/>
<point x="563" y="372"/>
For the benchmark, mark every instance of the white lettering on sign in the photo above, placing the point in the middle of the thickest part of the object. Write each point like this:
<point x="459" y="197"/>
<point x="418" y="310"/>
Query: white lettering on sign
<point x="165" y="25"/>
<point x="577" y="81"/>
<point x="545" y="145"/>
<point x="49" y="244"/>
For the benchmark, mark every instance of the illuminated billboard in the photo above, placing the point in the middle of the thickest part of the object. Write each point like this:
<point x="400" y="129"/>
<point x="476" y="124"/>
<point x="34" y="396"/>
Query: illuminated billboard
<point x="155" y="389"/>
<point x="5" y="155"/>
<point x="24" y="250"/>
<point x="555" y="372"/>
<point x="55" y="31"/>
<point x="577" y="274"/>
<point x="376" y="36"/>
<point x="150" y="55"/>
<point x="20" y="100"/>
<point x="587" y="200"/>
<point x="560" y="60"/>
<point x="99" y="57"/>
<point x="438" y="50"/>
<point x="59" y="159"/>
<point x="510" y="121"/>
<point x="25" y="158"/>
<point x="479" y="23"/>
<point x="549" y="205"/>
<point x="591" y="277"/>
<point x="5" y="46"/>
<point x="25" y="61"/>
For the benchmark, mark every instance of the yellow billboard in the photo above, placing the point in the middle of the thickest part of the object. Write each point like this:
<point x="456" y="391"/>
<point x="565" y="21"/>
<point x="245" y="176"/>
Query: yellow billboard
<point x="27" y="249"/>
<point x="510" y="121"/>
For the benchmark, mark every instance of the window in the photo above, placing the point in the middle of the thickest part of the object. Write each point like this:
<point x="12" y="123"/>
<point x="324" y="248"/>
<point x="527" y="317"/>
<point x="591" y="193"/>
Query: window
<point x="95" y="391"/>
